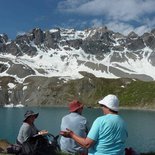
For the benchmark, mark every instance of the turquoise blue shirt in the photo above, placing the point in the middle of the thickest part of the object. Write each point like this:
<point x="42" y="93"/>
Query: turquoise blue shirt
<point x="109" y="133"/>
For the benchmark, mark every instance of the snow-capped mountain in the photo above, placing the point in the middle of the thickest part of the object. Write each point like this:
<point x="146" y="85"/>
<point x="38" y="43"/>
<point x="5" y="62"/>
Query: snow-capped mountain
<point x="67" y="52"/>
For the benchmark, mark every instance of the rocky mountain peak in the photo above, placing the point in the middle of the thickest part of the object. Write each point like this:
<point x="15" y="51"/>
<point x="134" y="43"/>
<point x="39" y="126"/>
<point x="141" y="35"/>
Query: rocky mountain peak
<point x="3" y="38"/>
<point x="48" y="67"/>
<point x="66" y="52"/>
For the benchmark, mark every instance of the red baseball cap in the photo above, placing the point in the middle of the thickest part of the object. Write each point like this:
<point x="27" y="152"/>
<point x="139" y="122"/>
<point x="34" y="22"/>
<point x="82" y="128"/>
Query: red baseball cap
<point x="75" y="105"/>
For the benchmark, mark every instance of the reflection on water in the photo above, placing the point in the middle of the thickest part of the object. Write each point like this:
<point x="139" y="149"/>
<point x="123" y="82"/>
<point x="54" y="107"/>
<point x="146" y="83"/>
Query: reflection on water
<point x="141" y="124"/>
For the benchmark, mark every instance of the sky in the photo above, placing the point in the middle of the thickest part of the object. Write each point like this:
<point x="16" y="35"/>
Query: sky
<point x="124" y="16"/>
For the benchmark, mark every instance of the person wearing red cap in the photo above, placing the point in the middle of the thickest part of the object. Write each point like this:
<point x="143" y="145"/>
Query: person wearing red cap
<point x="108" y="133"/>
<point x="76" y="122"/>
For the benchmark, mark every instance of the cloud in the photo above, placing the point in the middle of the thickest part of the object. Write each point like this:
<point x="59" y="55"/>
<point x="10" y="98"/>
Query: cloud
<point x="126" y="28"/>
<point x="97" y="23"/>
<point x="123" y="10"/>
<point x="71" y="5"/>
<point x="123" y="28"/>
<point x="121" y="16"/>
<point x="21" y="33"/>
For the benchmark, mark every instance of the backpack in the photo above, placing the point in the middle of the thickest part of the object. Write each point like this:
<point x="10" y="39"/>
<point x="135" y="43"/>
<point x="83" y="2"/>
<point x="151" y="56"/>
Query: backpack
<point x="40" y="145"/>
<point x="14" y="148"/>
<point x="130" y="151"/>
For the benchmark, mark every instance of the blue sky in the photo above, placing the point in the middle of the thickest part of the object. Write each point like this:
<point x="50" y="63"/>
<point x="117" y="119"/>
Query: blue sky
<point x="124" y="16"/>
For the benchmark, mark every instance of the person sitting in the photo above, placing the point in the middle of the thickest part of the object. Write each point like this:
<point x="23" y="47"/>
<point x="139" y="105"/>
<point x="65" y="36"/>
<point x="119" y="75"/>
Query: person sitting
<point x="28" y="128"/>
<point x="75" y="121"/>
<point x="29" y="137"/>
<point x="108" y="133"/>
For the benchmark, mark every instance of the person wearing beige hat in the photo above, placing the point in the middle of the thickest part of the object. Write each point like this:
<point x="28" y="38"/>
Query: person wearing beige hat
<point x="76" y="122"/>
<point x="108" y="133"/>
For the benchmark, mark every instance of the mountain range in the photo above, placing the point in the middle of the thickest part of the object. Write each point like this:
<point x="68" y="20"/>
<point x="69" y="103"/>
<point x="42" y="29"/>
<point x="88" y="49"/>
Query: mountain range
<point x="66" y="52"/>
<point x="71" y="54"/>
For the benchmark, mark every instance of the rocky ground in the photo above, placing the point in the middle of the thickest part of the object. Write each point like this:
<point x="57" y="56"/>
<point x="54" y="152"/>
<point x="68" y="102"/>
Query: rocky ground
<point x="43" y="91"/>
<point x="4" y="144"/>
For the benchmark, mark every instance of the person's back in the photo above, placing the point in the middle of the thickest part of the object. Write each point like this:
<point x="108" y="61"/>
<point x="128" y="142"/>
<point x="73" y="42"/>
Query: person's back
<point x="78" y="123"/>
<point x="108" y="133"/>
<point x="112" y="134"/>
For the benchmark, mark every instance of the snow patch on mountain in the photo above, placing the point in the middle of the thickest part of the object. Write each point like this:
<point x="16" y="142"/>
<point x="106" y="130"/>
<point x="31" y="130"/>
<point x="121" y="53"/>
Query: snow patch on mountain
<point x="68" y="63"/>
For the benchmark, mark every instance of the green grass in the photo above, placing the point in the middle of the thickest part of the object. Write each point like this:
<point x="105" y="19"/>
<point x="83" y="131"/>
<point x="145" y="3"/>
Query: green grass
<point x="132" y="93"/>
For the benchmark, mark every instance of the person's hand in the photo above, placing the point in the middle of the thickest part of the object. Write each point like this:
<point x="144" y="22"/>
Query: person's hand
<point x="68" y="133"/>
<point x="43" y="132"/>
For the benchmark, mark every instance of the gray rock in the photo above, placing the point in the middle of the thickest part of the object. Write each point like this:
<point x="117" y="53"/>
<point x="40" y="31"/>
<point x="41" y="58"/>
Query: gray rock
<point x="20" y="70"/>
<point x="149" y="40"/>
<point x="136" y="44"/>
<point x="52" y="39"/>
<point x="13" y="49"/>
<point x="38" y="36"/>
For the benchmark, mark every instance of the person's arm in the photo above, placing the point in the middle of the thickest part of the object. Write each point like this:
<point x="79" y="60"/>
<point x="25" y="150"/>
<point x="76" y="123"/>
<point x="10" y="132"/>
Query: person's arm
<point x="39" y="132"/>
<point x="84" y="142"/>
<point x="26" y="133"/>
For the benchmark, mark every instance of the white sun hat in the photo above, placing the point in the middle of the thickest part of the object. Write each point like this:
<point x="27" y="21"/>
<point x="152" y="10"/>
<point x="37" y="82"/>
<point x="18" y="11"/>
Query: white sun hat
<point x="110" y="101"/>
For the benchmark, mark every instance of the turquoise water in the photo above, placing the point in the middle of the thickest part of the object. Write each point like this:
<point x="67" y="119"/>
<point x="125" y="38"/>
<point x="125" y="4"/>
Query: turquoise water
<point x="141" y="124"/>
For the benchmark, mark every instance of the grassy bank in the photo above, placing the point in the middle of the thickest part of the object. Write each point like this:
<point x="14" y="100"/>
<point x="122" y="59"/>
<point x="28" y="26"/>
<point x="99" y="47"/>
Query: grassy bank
<point x="132" y="93"/>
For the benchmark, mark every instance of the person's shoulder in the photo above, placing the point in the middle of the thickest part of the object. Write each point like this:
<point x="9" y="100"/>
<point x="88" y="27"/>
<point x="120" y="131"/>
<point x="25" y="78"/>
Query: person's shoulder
<point x="65" y="116"/>
<point x="82" y="117"/>
<point x="25" y="125"/>
<point x="100" y="118"/>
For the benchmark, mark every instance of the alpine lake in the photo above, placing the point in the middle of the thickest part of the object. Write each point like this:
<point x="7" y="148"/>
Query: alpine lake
<point x="141" y="123"/>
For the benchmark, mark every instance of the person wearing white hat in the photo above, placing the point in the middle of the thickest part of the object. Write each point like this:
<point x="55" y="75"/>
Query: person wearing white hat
<point x="108" y="133"/>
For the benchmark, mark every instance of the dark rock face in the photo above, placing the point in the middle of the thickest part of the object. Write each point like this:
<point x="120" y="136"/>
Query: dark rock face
<point x="149" y="40"/>
<point x="135" y="45"/>
<point x="23" y="39"/>
<point x="51" y="39"/>
<point x="13" y="49"/>
<point x="4" y="91"/>
<point x="3" y="68"/>
<point x="3" y="39"/>
<point x="95" y="47"/>
<point x="38" y="36"/>
<point x="98" y="41"/>
<point x="73" y="43"/>
<point x="43" y="91"/>
<point x="132" y="35"/>
<point x="20" y="70"/>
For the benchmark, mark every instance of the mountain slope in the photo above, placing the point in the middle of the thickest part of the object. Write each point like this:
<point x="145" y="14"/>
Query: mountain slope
<point x="66" y="52"/>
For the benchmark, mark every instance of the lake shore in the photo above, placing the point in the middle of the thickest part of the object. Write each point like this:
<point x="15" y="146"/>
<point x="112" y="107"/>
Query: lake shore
<point x="138" y="108"/>
<point x="144" y="108"/>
